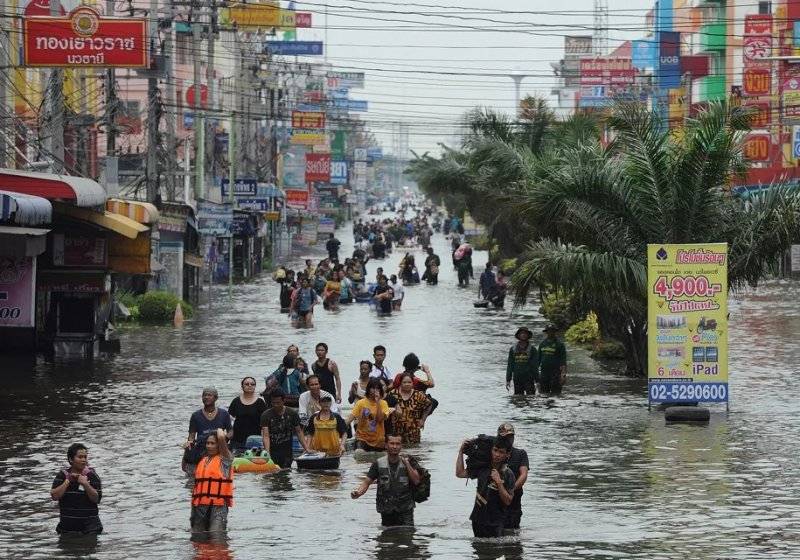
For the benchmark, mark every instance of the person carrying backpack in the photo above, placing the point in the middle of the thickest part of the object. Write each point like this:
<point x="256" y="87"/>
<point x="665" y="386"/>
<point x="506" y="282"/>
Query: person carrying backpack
<point x="401" y="484"/>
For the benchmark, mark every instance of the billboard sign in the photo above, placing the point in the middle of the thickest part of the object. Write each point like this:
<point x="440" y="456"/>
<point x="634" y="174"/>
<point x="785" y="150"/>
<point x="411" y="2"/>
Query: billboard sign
<point x="669" y="60"/>
<point x="318" y="168"/>
<point x="687" y="315"/>
<point x="760" y="111"/>
<point x="309" y="137"/>
<point x="354" y="105"/>
<point x="17" y="291"/>
<point x="576" y="46"/>
<point x="308" y="119"/>
<point x="85" y="39"/>
<point x="294" y="167"/>
<point x="302" y="20"/>
<point x="295" y="48"/>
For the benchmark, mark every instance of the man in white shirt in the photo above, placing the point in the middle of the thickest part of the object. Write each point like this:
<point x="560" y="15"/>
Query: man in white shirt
<point x="379" y="368"/>
<point x="399" y="292"/>
<point x="308" y="402"/>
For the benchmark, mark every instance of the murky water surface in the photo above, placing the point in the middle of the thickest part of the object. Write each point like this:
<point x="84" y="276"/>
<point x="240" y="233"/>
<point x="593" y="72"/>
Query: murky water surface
<point x="608" y="478"/>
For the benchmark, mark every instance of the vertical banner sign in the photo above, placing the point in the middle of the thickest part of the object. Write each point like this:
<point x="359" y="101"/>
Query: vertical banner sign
<point x="756" y="81"/>
<point x="757" y="147"/>
<point x="669" y="60"/>
<point x="687" y="318"/>
<point x="17" y="282"/>
<point x="757" y="43"/>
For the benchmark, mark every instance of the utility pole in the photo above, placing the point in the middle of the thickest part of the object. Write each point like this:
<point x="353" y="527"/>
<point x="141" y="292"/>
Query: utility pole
<point x="208" y="131"/>
<point x="199" y="124"/>
<point x="7" y="114"/>
<point x="232" y="153"/>
<point x="111" y="171"/>
<point x="172" y="146"/>
<point x="151" y="170"/>
<point x="54" y="131"/>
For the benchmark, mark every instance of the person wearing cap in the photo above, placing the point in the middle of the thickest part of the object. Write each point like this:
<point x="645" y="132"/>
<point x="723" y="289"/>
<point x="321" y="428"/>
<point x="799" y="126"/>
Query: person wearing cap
<point x="518" y="463"/>
<point x="202" y="423"/>
<point x="552" y="362"/>
<point x="523" y="364"/>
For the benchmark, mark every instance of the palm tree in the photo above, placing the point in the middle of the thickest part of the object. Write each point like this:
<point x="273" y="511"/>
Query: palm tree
<point x="601" y="206"/>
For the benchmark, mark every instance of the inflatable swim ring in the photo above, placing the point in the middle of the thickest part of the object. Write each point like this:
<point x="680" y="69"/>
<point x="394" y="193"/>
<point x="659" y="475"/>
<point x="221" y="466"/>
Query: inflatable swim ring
<point x="254" y="461"/>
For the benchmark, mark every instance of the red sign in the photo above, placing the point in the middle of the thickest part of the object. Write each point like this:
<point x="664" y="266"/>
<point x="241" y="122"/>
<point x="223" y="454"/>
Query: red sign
<point x="757" y="147"/>
<point x="203" y="96"/>
<point x="760" y="112"/>
<point x="42" y="8"/>
<point x="85" y="39"/>
<point x="297" y="198"/>
<point x="308" y="119"/>
<point x="318" y="168"/>
<point x="757" y="43"/>
<point x="302" y="20"/>
<point x="756" y="81"/>
<point x="79" y="250"/>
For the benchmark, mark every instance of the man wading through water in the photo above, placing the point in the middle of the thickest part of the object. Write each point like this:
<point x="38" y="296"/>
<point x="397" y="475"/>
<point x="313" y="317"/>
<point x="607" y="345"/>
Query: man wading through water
<point x="523" y="364"/>
<point x="518" y="463"/>
<point x="552" y="363"/>
<point x="396" y="478"/>
<point x="495" y="490"/>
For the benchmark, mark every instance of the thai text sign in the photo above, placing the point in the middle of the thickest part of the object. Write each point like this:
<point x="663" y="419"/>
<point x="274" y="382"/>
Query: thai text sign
<point x="318" y="168"/>
<point x="242" y="187"/>
<point x="297" y="198"/>
<point x="295" y="48"/>
<point x="302" y="20"/>
<point x="757" y="147"/>
<point x="687" y="318"/>
<point x="351" y="80"/>
<point x="214" y="219"/>
<point x="260" y="15"/>
<point x="338" y="172"/>
<point x="84" y="39"/>
<point x="306" y="137"/>
<point x="308" y="119"/>
<point x="756" y="81"/>
<point x="757" y="43"/>
<point x="17" y="281"/>
<point x="71" y="249"/>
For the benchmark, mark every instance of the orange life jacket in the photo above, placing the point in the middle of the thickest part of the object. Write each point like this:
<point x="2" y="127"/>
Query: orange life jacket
<point x="211" y="486"/>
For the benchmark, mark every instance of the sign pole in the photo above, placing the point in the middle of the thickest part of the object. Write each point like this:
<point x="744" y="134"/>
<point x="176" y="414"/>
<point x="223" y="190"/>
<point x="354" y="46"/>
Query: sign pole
<point x="54" y="135"/>
<point x="231" y="162"/>
<point x="199" y="129"/>
<point x="152" y="111"/>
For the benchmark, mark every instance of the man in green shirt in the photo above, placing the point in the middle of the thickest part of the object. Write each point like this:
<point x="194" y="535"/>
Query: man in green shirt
<point x="523" y="364"/>
<point x="552" y="362"/>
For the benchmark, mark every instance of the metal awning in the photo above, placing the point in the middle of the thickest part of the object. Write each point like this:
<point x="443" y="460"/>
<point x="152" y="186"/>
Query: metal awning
<point x="22" y="241"/>
<point x="142" y="212"/>
<point x="108" y="220"/>
<point x="24" y="209"/>
<point x="77" y="190"/>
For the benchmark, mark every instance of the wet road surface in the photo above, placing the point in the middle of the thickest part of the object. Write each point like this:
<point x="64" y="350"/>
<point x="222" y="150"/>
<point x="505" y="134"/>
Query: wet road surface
<point x="608" y="478"/>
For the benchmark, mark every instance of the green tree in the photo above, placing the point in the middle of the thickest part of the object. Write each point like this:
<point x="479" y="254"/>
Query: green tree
<point x="600" y="207"/>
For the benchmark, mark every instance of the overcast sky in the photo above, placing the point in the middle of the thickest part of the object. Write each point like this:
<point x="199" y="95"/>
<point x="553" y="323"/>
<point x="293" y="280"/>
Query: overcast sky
<point x="423" y="59"/>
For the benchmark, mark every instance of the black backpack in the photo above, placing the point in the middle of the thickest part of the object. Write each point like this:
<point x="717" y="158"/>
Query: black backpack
<point x="421" y="491"/>
<point x="479" y="452"/>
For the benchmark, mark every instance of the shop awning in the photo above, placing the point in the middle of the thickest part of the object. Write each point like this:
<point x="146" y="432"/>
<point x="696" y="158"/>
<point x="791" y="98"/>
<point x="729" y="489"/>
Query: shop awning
<point x="24" y="209"/>
<point x="193" y="260"/>
<point x="22" y="241"/>
<point x="142" y="212"/>
<point x="108" y="220"/>
<point x="77" y="190"/>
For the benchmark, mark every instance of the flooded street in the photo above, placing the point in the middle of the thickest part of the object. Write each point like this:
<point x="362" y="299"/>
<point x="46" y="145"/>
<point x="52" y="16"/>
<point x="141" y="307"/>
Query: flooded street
<point x="608" y="478"/>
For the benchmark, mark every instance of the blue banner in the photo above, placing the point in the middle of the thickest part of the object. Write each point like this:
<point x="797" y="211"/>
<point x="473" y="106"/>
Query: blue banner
<point x="374" y="154"/>
<point x="643" y="54"/>
<point x="242" y="187"/>
<point x="669" y="60"/>
<point x="338" y="172"/>
<point x="294" y="48"/>
<point x="355" y="105"/>
<point x="261" y="204"/>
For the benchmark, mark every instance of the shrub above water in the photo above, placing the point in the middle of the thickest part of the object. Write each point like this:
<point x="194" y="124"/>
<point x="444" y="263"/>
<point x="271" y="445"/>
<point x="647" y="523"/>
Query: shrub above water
<point x="159" y="307"/>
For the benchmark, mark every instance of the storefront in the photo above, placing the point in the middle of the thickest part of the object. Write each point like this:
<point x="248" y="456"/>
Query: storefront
<point x="134" y="260"/>
<point x="179" y="252"/>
